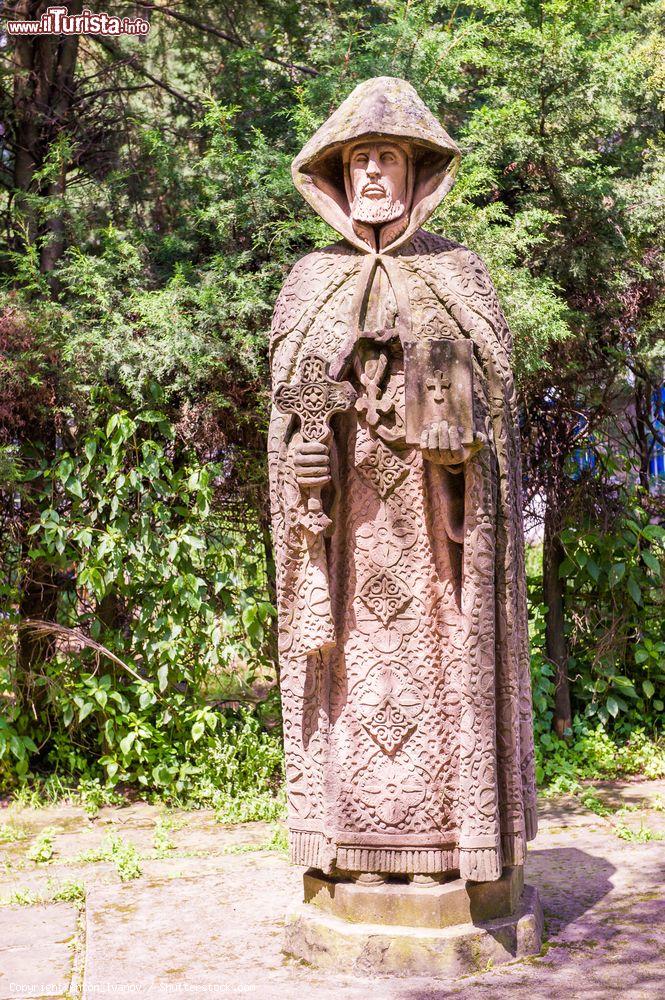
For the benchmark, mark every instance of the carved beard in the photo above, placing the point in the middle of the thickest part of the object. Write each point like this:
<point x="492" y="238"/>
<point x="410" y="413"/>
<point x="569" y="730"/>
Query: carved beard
<point x="374" y="211"/>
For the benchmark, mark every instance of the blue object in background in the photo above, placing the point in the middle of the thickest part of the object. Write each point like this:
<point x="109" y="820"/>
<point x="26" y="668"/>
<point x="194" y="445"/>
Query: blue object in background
<point x="657" y="460"/>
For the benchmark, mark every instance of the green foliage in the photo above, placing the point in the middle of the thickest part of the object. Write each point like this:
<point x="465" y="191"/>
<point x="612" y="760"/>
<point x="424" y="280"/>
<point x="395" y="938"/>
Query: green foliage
<point x="593" y="753"/>
<point x="615" y="594"/>
<point x="614" y="598"/>
<point x="161" y="838"/>
<point x="21" y="897"/>
<point x="125" y="857"/>
<point x="11" y="832"/>
<point x="278" y="841"/>
<point x="643" y="835"/>
<point x="42" y="849"/>
<point x="71" y="891"/>
<point x="165" y="607"/>
<point x="134" y="390"/>
<point x="120" y="853"/>
<point x="248" y="807"/>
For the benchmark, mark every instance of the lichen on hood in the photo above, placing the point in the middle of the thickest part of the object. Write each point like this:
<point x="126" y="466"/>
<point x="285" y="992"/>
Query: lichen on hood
<point x="388" y="108"/>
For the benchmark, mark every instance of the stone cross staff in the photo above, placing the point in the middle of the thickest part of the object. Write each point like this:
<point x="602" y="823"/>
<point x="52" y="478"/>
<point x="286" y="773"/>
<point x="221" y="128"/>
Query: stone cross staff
<point x="314" y="399"/>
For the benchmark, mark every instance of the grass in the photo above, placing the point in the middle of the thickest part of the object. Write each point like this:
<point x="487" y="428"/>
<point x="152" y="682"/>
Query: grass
<point x="57" y="892"/>
<point x="161" y="838"/>
<point x="120" y="853"/>
<point x="250" y="807"/>
<point x="42" y="849"/>
<point x="69" y="892"/>
<point x="10" y="833"/>
<point x="278" y="841"/>
<point x="641" y="836"/>
<point x="22" y="897"/>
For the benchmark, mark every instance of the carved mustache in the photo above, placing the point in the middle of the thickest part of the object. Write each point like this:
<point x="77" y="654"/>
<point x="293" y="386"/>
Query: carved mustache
<point x="373" y="186"/>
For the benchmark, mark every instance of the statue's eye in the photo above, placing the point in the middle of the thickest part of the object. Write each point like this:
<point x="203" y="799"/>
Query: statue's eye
<point x="387" y="157"/>
<point x="360" y="158"/>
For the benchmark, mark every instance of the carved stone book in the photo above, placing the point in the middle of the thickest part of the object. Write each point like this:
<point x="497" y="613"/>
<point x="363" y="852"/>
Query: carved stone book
<point x="438" y="377"/>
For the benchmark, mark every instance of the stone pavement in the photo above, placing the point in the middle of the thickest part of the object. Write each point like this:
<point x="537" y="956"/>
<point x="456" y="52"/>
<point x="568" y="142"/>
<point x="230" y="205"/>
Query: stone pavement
<point x="203" y="914"/>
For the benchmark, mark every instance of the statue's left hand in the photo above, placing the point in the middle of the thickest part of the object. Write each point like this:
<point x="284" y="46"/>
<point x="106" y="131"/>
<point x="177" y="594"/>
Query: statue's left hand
<point x="442" y="443"/>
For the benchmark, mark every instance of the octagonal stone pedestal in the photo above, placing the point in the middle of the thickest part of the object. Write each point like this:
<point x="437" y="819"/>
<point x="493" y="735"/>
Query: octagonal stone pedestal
<point x="448" y="929"/>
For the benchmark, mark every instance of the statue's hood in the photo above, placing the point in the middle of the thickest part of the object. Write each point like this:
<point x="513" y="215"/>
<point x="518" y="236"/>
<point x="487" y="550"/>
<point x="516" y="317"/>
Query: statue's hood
<point x="391" y="109"/>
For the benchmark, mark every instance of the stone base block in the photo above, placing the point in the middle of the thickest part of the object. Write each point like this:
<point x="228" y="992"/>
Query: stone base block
<point x="331" y="943"/>
<point x="411" y="905"/>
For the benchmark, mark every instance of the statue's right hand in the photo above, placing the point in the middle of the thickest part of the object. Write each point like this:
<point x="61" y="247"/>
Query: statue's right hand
<point x="311" y="461"/>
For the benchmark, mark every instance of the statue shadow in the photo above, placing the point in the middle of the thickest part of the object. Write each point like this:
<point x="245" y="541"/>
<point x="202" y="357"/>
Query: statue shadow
<point x="570" y="883"/>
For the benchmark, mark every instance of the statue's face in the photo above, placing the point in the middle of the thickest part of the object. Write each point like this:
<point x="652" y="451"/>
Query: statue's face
<point x="378" y="172"/>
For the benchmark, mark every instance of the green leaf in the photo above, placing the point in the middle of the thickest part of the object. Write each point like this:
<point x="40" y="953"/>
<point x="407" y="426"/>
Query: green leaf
<point x="163" y="676"/>
<point x="90" y="448"/>
<point x="197" y="730"/>
<point x="73" y="486"/>
<point x="127" y="742"/>
<point x="146" y="698"/>
<point x="650" y="560"/>
<point x="85" y="710"/>
<point x="641" y="654"/>
<point x="616" y="573"/>
<point x="593" y="569"/>
<point x="658" y="705"/>
<point x="612" y="707"/>
<point x="648" y="688"/>
<point x="634" y="590"/>
<point x="566" y="568"/>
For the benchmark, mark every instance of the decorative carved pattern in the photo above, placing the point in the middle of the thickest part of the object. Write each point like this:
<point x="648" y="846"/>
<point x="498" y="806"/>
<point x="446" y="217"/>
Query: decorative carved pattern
<point x="388" y="708"/>
<point x="382" y="469"/>
<point x="385" y="595"/>
<point x="392" y="790"/>
<point x="314" y="398"/>
<point x="387" y="538"/>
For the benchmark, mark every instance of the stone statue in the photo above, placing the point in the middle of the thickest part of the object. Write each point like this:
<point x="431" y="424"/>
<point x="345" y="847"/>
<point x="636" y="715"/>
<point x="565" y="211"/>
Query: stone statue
<point x="396" y="506"/>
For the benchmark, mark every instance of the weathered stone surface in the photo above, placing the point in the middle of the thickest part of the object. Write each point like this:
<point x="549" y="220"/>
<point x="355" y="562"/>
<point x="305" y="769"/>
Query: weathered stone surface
<point x="413" y="905"/>
<point x="36" y="950"/>
<point x="329" y="942"/>
<point x="397" y="519"/>
<point x="603" y="897"/>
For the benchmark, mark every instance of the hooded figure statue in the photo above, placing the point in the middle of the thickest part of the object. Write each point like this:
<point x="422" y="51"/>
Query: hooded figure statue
<point x="396" y="506"/>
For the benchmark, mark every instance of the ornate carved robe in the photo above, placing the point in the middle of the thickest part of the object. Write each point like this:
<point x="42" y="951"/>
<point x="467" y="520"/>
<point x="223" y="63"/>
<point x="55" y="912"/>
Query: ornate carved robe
<point x="403" y="630"/>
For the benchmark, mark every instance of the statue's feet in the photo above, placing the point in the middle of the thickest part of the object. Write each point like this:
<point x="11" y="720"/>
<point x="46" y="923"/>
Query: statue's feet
<point x="369" y="878"/>
<point x="425" y="880"/>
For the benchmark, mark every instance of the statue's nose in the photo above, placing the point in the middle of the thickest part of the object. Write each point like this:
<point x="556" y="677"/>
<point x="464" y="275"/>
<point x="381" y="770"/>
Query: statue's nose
<point x="373" y="169"/>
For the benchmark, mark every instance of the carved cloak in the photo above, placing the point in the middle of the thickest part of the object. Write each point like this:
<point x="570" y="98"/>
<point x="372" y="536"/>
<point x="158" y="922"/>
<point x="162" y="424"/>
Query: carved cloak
<point x="403" y="632"/>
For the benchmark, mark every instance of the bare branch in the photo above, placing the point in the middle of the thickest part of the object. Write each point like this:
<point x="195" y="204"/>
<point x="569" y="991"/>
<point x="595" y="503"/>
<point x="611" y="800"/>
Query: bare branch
<point x="133" y="62"/>
<point x="211" y="29"/>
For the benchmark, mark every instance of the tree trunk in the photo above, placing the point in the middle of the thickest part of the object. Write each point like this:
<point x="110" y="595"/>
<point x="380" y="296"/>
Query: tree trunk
<point x="555" y="637"/>
<point x="43" y="78"/>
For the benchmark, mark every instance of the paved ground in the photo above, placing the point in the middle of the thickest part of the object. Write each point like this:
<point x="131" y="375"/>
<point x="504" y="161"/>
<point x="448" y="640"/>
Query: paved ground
<point x="203" y="917"/>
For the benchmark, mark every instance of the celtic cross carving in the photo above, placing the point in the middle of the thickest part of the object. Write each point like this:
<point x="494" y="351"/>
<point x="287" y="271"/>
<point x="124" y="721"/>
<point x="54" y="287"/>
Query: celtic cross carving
<point x="314" y="398"/>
